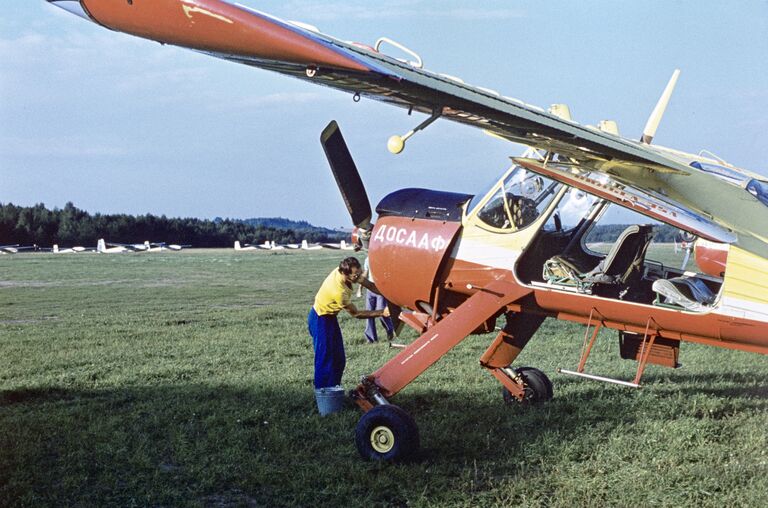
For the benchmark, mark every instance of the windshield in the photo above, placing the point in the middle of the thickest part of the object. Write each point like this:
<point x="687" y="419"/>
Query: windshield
<point x="521" y="198"/>
<point x="480" y="195"/>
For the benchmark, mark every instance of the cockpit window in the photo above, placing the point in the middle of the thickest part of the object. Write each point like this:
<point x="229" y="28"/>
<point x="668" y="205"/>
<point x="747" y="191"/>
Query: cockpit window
<point x="480" y="195"/>
<point x="722" y="172"/>
<point x="519" y="201"/>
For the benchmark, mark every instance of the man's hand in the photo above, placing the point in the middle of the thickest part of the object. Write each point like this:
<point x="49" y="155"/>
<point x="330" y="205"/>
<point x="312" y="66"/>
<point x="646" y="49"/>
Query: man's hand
<point x="385" y="312"/>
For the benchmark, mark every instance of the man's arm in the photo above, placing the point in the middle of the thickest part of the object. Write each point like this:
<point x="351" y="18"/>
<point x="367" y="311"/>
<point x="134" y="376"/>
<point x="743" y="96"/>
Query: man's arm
<point x="365" y="314"/>
<point x="368" y="285"/>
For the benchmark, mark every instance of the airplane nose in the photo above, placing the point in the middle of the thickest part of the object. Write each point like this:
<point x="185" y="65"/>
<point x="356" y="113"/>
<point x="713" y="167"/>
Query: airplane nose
<point x="72" y="6"/>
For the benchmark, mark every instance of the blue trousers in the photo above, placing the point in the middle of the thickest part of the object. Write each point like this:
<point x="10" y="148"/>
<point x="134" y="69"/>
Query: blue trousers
<point x="376" y="302"/>
<point x="330" y="359"/>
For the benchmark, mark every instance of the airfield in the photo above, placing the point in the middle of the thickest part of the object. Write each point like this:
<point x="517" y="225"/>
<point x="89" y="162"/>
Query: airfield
<point x="185" y="378"/>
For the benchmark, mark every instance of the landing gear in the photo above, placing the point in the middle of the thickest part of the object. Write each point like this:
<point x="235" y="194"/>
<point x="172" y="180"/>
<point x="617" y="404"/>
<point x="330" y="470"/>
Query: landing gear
<point x="386" y="433"/>
<point x="538" y="387"/>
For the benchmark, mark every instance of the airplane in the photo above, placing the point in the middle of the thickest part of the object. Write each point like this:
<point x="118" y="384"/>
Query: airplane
<point x="249" y="246"/>
<point x="101" y="248"/>
<point x="13" y="249"/>
<point x="307" y="246"/>
<point x="57" y="250"/>
<point x="342" y="245"/>
<point x="456" y="263"/>
<point x="161" y="246"/>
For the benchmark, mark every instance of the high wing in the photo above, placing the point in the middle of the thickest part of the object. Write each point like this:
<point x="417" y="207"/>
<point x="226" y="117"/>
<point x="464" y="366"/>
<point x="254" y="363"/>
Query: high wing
<point x="238" y="33"/>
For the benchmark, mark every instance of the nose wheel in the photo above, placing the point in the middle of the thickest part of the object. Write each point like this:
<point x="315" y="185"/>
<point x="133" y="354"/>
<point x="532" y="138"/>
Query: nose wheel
<point x="387" y="433"/>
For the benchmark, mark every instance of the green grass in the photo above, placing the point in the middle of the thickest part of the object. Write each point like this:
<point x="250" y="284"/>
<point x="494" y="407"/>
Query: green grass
<point x="186" y="379"/>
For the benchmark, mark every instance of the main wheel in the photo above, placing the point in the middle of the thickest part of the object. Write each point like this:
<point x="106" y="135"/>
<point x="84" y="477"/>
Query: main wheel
<point x="538" y="387"/>
<point x="386" y="433"/>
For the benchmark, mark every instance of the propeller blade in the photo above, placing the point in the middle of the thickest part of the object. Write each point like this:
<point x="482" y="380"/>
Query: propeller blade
<point x="346" y="175"/>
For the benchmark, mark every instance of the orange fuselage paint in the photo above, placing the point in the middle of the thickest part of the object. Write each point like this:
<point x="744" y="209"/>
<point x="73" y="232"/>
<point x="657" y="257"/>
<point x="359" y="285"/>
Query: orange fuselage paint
<point x="712" y="260"/>
<point x="406" y="256"/>
<point x="708" y="328"/>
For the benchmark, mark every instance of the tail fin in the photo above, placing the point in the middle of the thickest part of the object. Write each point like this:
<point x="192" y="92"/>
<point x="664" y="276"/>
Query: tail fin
<point x="237" y="245"/>
<point x="653" y="121"/>
<point x="101" y="246"/>
<point x="56" y="248"/>
<point x="304" y="245"/>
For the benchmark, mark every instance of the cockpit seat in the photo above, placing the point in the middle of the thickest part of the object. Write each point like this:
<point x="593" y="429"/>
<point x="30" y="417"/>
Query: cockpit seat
<point x="625" y="260"/>
<point x="691" y="293"/>
<point x="622" y="266"/>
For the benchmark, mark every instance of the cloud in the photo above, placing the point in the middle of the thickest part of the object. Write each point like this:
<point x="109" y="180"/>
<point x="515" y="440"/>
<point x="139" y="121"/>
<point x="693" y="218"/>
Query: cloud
<point x="58" y="147"/>
<point x="311" y="11"/>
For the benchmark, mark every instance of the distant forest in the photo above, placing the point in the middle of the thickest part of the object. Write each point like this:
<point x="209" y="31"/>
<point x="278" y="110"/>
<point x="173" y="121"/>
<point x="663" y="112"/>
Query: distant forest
<point x="606" y="233"/>
<point x="71" y="226"/>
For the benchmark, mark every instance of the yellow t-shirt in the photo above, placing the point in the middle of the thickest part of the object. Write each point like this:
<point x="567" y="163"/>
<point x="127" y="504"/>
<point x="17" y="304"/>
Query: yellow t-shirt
<point x="334" y="294"/>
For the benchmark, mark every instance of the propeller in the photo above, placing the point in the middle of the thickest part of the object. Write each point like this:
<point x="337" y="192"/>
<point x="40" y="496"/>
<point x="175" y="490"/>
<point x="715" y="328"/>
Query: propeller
<point x="346" y="175"/>
<point x="686" y="240"/>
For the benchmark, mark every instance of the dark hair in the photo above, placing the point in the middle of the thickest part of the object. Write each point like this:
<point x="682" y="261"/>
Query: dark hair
<point x="348" y="264"/>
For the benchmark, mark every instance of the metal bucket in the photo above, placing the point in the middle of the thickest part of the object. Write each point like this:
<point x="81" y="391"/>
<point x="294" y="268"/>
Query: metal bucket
<point x="330" y="399"/>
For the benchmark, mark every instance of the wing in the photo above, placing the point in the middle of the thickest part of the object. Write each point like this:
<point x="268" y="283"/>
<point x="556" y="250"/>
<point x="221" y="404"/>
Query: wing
<point x="240" y="34"/>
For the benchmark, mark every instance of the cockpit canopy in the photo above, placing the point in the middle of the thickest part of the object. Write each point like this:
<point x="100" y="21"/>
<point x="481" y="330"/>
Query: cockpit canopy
<point x="515" y="201"/>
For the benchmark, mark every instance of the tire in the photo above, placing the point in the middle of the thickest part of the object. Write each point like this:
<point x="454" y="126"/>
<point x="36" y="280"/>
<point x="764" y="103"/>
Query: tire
<point x="386" y="433"/>
<point x="538" y="387"/>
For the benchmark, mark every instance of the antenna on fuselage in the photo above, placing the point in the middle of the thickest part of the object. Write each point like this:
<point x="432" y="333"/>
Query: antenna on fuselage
<point x="653" y="121"/>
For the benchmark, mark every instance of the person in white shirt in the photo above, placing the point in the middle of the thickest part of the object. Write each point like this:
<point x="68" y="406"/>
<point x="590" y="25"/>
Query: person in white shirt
<point x="374" y="302"/>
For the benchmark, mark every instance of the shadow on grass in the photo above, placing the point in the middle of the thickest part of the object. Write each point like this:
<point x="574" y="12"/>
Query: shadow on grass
<point x="229" y="446"/>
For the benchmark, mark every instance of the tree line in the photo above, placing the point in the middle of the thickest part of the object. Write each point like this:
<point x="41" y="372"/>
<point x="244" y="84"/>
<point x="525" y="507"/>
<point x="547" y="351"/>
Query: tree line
<point x="70" y="226"/>
<point x="608" y="233"/>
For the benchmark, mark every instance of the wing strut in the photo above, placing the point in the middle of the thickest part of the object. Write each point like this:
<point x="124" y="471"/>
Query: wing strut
<point x="437" y="340"/>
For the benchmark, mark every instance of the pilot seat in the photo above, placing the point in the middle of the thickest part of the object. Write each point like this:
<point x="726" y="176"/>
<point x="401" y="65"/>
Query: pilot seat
<point x="621" y="268"/>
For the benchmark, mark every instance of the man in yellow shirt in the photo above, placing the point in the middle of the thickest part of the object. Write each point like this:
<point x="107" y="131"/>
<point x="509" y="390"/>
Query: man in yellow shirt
<point x="335" y="295"/>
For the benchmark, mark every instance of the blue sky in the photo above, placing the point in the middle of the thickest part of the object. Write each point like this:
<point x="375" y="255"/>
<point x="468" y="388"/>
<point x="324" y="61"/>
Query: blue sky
<point x="119" y="124"/>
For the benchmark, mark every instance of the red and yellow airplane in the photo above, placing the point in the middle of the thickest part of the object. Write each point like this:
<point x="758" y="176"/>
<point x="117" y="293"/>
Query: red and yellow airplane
<point x="457" y="262"/>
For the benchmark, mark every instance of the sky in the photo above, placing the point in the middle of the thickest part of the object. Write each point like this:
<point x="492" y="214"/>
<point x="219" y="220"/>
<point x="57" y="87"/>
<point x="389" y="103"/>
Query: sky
<point x="118" y="124"/>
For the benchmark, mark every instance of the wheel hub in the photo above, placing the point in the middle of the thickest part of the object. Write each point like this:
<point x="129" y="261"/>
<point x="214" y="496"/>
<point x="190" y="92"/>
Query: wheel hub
<point x="382" y="439"/>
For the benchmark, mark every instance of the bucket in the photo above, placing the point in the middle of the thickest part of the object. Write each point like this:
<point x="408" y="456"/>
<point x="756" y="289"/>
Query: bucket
<point x="330" y="399"/>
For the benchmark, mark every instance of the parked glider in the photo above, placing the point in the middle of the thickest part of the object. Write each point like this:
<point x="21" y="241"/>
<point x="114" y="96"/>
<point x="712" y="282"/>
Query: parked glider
<point x="68" y="250"/>
<point x="458" y="262"/>
<point x="15" y="248"/>
<point x="250" y="246"/>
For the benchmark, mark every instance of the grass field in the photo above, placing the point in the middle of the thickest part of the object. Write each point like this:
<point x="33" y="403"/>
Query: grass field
<point x="185" y="379"/>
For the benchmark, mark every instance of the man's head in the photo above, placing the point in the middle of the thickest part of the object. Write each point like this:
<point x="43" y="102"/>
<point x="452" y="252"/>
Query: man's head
<point x="350" y="268"/>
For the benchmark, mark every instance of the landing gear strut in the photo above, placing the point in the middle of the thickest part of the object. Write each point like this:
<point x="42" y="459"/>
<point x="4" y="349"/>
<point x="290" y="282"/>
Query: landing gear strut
<point x="536" y="384"/>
